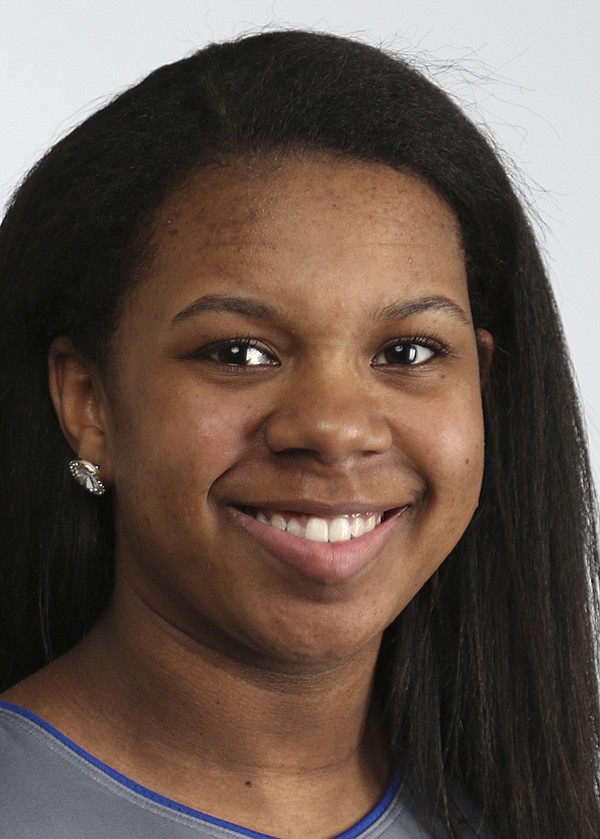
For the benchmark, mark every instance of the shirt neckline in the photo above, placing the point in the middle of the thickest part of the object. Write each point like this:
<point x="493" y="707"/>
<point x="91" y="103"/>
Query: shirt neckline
<point x="353" y="832"/>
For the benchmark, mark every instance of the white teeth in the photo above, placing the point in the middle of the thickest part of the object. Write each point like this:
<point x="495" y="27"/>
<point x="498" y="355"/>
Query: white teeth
<point x="339" y="530"/>
<point x="357" y="526"/>
<point x="278" y="521"/>
<point x="295" y="528"/>
<point x="315" y="529"/>
<point x="371" y="523"/>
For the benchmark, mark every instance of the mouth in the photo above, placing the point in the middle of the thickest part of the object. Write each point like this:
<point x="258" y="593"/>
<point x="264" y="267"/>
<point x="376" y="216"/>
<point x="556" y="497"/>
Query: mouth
<point x="339" y="528"/>
<point x="321" y="543"/>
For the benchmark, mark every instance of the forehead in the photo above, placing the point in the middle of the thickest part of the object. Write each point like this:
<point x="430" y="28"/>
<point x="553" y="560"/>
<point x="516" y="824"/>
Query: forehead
<point x="297" y="226"/>
<point x="237" y="197"/>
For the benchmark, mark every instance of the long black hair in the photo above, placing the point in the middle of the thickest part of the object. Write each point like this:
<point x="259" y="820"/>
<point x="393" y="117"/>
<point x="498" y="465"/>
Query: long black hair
<point x="487" y="681"/>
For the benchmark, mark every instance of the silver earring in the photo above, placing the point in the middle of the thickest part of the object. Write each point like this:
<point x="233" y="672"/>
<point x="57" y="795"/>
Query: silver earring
<point x="87" y="474"/>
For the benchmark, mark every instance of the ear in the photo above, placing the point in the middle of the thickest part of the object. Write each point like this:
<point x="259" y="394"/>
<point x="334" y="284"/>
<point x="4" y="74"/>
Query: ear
<point x="79" y="401"/>
<point x="485" y="351"/>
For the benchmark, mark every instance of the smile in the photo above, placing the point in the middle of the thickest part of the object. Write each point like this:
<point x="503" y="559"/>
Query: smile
<point x="325" y="548"/>
<point x="339" y="528"/>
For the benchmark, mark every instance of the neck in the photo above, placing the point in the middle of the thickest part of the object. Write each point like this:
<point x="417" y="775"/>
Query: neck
<point x="265" y="738"/>
<point x="234" y="707"/>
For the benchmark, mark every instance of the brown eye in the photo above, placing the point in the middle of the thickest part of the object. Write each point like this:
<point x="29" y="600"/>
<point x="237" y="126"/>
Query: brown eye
<point x="237" y="353"/>
<point x="407" y="353"/>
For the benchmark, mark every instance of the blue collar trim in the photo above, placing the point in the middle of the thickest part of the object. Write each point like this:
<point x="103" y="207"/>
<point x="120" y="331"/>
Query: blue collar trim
<point x="352" y="833"/>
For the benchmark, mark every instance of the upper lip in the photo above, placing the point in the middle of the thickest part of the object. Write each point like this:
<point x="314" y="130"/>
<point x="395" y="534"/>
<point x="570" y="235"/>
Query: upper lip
<point x="319" y="508"/>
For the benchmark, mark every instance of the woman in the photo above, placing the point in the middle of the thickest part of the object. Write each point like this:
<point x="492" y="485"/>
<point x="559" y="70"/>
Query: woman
<point x="264" y="304"/>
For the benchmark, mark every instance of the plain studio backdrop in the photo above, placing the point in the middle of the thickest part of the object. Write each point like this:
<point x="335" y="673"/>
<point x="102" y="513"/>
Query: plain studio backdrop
<point x="528" y="71"/>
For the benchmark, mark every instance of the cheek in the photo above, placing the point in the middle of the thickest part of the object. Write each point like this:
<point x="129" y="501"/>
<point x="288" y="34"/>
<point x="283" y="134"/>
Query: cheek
<point x="446" y="454"/>
<point x="449" y="453"/>
<point x="170" y="449"/>
<point x="174" y="438"/>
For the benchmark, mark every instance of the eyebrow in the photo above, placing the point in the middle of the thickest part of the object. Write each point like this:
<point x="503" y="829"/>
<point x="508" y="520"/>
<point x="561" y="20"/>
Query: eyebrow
<point x="257" y="309"/>
<point x="223" y="303"/>
<point x="404" y="309"/>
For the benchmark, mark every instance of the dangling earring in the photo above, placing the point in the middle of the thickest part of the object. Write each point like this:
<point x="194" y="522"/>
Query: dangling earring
<point x="87" y="474"/>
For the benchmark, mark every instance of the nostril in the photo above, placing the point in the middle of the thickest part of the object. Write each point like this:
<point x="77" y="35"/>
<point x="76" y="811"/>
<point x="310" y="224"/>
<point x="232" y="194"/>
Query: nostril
<point x="330" y="430"/>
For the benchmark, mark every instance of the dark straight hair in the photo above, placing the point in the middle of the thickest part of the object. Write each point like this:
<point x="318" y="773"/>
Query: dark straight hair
<point x="487" y="681"/>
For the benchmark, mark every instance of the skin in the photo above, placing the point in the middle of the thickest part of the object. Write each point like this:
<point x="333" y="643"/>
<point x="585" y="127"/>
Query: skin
<point x="269" y="664"/>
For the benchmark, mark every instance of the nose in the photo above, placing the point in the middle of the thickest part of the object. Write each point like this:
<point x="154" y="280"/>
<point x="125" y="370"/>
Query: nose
<point x="331" y="418"/>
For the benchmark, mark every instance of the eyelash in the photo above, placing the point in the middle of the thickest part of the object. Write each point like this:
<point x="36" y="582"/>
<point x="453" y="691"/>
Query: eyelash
<point x="435" y="345"/>
<point x="204" y="354"/>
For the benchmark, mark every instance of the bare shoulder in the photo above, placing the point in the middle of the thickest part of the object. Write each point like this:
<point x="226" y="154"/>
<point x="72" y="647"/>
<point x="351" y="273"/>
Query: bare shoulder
<point x="46" y="693"/>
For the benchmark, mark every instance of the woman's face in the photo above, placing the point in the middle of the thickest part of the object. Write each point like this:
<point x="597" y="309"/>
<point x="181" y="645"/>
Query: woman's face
<point x="298" y="366"/>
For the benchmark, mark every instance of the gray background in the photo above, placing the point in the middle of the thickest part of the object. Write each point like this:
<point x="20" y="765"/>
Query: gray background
<point x="529" y="70"/>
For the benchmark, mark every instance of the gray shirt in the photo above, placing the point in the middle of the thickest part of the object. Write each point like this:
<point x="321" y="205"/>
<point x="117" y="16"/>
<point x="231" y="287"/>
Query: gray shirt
<point x="50" y="788"/>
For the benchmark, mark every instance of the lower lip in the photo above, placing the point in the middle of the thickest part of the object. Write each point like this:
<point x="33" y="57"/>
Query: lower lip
<point x="326" y="562"/>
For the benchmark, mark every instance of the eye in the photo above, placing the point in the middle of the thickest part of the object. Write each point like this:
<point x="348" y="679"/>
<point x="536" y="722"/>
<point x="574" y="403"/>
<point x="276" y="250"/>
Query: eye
<point x="406" y="352"/>
<point x="237" y="353"/>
